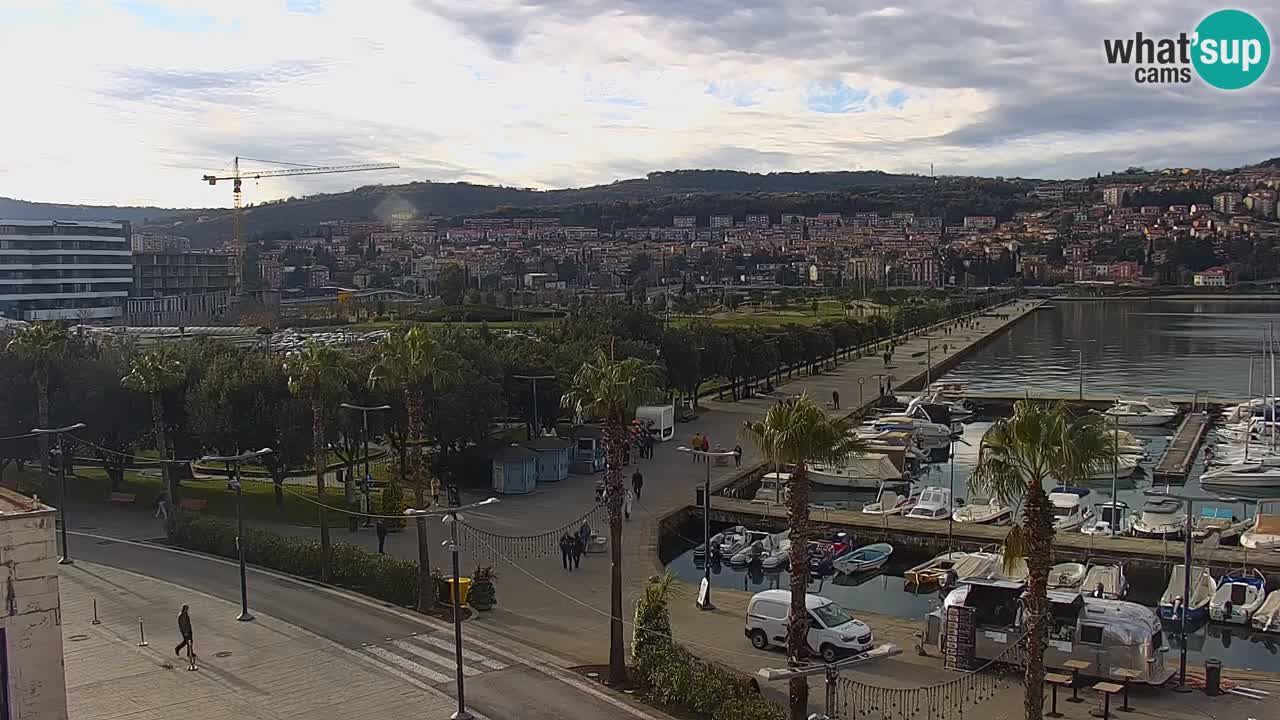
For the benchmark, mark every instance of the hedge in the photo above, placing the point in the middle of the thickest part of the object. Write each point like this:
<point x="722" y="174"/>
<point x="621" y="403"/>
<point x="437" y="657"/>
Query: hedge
<point x="368" y="573"/>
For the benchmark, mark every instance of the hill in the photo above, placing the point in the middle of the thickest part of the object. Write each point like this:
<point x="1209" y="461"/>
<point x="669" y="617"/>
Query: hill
<point x="24" y="210"/>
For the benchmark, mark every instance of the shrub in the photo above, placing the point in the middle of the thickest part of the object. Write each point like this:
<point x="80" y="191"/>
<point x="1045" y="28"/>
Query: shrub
<point x="355" y="568"/>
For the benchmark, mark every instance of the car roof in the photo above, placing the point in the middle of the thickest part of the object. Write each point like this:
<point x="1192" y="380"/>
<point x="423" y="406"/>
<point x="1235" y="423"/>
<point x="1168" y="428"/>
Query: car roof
<point x="811" y="601"/>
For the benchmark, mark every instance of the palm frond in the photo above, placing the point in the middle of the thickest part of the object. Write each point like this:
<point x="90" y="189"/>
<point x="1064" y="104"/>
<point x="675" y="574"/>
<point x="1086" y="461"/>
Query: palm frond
<point x="1014" y="548"/>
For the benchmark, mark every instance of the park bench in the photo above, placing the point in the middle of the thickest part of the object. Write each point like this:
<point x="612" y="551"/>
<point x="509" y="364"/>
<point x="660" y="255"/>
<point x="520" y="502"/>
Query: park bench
<point x="193" y="504"/>
<point x="123" y="498"/>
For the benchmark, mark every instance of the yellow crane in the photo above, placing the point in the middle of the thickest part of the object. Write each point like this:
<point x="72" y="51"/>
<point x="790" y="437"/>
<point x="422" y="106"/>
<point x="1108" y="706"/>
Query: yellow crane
<point x="236" y="176"/>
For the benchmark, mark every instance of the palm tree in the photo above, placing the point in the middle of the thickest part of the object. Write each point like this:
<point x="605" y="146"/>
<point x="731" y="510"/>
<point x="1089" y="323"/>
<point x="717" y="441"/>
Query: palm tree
<point x="611" y="390"/>
<point x="318" y="373"/>
<point x="412" y="362"/>
<point x="794" y="433"/>
<point x="44" y="345"/>
<point x="1018" y="455"/>
<point x="152" y="373"/>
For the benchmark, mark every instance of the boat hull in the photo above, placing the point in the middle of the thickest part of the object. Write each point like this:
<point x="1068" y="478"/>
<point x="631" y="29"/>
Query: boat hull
<point x="1172" y="614"/>
<point x="1140" y="420"/>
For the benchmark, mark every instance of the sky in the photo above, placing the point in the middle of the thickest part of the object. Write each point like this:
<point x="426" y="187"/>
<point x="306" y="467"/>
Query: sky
<point x="131" y="101"/>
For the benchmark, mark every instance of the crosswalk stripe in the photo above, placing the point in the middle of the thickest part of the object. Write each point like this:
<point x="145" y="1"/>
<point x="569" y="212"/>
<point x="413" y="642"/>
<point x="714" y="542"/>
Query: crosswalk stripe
<point x="406" y="664"/>
<point x="448" y="663"/>
<point x="466" y="653"/>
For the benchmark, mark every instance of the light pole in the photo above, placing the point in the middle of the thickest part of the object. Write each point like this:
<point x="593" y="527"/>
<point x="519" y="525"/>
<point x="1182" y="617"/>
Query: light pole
<point x="364" y="486"/>
<point x="537" y="426"/>
<point x="233" y="464"/>
<point x="928" y="367"/>
<point x="1080" y="354"/>
<point x="704" y="598"/>
<point x="451" y="517"/>
<point x="62" y="481"/>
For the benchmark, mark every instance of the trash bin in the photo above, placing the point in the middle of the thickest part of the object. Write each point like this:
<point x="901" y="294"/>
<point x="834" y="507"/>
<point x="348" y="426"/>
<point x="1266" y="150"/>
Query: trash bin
<point x="1212" y="677"/>
<point x="464" y="585"/>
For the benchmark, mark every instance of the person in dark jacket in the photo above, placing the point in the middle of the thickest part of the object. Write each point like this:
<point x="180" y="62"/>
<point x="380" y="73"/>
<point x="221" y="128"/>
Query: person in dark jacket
<point x="184" y="629"/>
<point x="566" y="551"/>
<point x="381" y="529"/>
<point x="637" y="482"/>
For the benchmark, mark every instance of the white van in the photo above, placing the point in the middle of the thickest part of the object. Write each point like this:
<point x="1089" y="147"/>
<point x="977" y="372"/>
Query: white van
<point x="663" y="419"/>
<point x="833" y="633"/>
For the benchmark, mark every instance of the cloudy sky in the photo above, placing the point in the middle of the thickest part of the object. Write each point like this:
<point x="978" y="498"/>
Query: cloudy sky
<point x="130" y="101"/>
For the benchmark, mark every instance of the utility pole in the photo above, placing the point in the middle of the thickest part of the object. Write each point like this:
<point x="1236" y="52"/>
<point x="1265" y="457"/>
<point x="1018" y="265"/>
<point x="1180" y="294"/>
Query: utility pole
<point x="233" y="466"/>
<point x="364" y="486"/>
<point x="704" y="599"/>
<point x="62" y="482"/>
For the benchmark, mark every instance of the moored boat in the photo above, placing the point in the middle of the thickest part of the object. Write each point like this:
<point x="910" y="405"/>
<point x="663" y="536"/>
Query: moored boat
<point x="1146" y="412"/>
<point x="1161" y="518"/>
<point x="1108" y="515"/>
<point x="890" y="502"/>
<point x="1264" y="533"/>
<point x="864" y="559"/>
<point x="1105" y="580"/>
<point x="1173" y="603"/>
<point x="865" y="471"/>
<point x="934" y="504"/>
<point x="1238" y="597"/>
<point x="983" y="511"/>
<point x="931" y="573"/>
<point x="1066" y="575"/>
<point x="1267" y="617"/>
<point x="1069" y="508"/>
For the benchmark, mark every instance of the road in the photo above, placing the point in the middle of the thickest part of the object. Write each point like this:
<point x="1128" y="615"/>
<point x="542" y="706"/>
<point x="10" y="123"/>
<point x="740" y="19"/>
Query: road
<point x="503" y="680"/>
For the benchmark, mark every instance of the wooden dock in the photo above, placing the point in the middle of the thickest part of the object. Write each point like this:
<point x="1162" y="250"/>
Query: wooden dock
<point x="1176" y="461"/>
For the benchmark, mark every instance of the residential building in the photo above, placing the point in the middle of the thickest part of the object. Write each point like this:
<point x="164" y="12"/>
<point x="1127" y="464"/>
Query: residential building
<point x="1262" y="203"/>
<point x="1212" y="277"/>
<point x="162" y="274"/>
<point x="64" y="270"/>
<point x="178" y="310"/>
<point x="32" y="683"/>
<point x="870" y="268"/>
<point x="684" y="221"/>
<point x="721" y="221"/>
<point x="1227" y="201"/>
<point x="979" y="222"/>
<point x="757" y="221"/>
<point x="156" y="242"/>
<point x="1114" y="195"/>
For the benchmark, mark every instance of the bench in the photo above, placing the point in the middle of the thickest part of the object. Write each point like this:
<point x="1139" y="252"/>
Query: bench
<point x="1056" y="680"/>
<point x="193" y="504"/>
<point x="123" y="498"/>
<point x="1107" y="689"/>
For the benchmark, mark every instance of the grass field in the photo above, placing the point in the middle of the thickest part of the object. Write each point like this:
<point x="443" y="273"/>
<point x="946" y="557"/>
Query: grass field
<point x="763" y="316"/>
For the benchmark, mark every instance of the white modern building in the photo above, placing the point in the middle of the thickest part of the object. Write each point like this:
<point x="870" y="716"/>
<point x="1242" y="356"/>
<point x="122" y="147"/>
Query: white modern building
<point x="64" y="270"/>
<point x="32" y="684"/>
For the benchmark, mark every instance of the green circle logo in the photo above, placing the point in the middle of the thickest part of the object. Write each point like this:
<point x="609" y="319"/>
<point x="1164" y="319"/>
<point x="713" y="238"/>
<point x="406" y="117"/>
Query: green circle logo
<point x="1231" y="49"/>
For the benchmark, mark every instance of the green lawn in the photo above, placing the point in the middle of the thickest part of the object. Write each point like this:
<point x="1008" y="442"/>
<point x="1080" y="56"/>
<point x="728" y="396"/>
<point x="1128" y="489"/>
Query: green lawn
<point x="495" y="325"/>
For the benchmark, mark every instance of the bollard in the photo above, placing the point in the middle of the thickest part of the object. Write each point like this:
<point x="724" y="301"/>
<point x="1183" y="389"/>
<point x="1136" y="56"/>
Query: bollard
<point x="96" y="621"/>
<point x="142" y="636"/>
<point x="1212" y="677"/>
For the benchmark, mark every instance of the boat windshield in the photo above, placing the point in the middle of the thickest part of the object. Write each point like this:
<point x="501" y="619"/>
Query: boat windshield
<point x="1064" y="511"/>
<point x="832" y="615"/>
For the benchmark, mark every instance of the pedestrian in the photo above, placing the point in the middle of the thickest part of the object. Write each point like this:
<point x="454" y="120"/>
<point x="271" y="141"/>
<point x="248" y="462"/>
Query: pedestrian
<point x="381" y="529"/>
<point x="577" y="548"/>
<point x="835" y="399"/>
<point x="584" y="536"/>
<point x="435" y="491"/>
<point x="626" y="454"/>
<point x="706" y="444"/>
<point x="696" y="444"/>
<point x="637" y="482"/>
<point x="887" y="355"/>
<point x="648" y="445"/>
<point x="162" y="506"/>
<point x="184" y="629"/>
<point x="626" y="504"/>
<point x="566" y="551"/>
<point x="737" y="456"/>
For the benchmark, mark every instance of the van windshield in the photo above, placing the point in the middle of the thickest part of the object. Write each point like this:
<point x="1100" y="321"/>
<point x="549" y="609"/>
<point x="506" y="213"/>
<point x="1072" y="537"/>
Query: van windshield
<point x="832" y="615"/>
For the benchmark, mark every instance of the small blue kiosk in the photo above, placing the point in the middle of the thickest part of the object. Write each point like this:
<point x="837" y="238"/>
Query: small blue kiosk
<point x="515" y="470"/>
<point x="553" y="457"/>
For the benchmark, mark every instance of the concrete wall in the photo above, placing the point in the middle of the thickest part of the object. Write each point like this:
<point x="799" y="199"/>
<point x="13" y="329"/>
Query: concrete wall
<point x="30" y="615"/>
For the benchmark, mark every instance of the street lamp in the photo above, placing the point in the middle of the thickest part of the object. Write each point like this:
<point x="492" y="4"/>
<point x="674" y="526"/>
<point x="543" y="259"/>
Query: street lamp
<point x="704" y="598"/>
<point x="928" y="367"/>
<point x="537" y="426"/>
<point x="233" y="466"/>
<point x="62" y="481"/>
<point x="1080" y="353"/>
<point x="451" y="517"/>
<point x="364" y="486"/>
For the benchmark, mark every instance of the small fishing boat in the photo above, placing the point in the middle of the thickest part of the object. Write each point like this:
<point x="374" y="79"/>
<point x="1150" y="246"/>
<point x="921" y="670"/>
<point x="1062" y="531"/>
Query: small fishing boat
<point x="864" y="559"/>
<point x="1105" y="580"/>
<point x="1161" y="519"/>
<point x="1108" y="515"/>
<point x="1264" y="534"/>
<point x="753" y="549"/>
<point x="1238" y="597"/>
<point x="1267" y="617"/>
<point x="1066" y="575"/>
<point x="1203" y="587"/>
<point x="822" y="553"/>
<point x="776" y="552"/>
<point x="983" y="511"/>
<point x="1069" y="508"/>
<point x="890" y="502"/>
<point x="931" y="573"/>
<point x="934" y="504"/>
<point x="725" y="544"/>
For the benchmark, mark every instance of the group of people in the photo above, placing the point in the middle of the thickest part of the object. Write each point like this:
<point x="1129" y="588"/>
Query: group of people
<point x="702" y="443"/>
<point x="573" y="547"/>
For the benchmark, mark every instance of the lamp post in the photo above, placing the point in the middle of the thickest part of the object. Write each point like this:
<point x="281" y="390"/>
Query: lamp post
<point x="1080" y="355"/>
<point x="233" y="464"/>
<point x="704" y="599"/>
<point x="928" y="367"/>
<point x="537" y="426"/>
<point x="62" y="482"/>
<point x="364" y="486"/>
<point x="451" y="517"/>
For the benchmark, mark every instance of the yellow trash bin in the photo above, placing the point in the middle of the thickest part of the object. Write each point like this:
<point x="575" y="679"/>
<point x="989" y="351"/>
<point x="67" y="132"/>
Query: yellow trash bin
<point x="464" y="585"/>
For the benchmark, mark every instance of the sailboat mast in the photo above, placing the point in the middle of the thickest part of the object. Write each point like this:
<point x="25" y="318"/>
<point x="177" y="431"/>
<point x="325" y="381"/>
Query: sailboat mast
<point x="1248" y="431"/>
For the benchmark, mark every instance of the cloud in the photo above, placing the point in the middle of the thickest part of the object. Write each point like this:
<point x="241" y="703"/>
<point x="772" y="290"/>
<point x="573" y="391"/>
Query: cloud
<point x="550" y="93"/>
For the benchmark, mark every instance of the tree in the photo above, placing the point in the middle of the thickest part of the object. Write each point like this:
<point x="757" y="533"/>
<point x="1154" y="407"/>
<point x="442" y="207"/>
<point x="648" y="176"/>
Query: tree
<point x="794" y="433"/>
<point x="413" y="362"/>
<point x="44" y="345"/>
<point x="453" y="284"/>
<point x="317" y="374"/>
<point x="611" y="390"/>
<point x="115" y="418"/>
<point x="152" y="373"/>
<point x="1019" y="453"/>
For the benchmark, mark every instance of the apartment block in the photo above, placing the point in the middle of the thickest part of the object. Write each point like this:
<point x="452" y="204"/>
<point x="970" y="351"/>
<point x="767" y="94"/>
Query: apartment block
<point x="64" y="270"/>
<point x="163" y="274"/>
<point x="684" y="221"/>
<point x="979" y="222"/>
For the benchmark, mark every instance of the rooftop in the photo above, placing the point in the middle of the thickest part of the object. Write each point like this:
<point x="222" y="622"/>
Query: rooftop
<point x="12" y="503"/>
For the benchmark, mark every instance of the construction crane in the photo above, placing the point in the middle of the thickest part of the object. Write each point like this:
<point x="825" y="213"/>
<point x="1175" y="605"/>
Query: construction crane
<point x="237" y="242"/>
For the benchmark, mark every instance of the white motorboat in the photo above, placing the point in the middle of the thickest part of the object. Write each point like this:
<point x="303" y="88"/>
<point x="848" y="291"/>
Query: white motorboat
<point x="751" y="551"/>
<point x="1105" y="580"/>
<point x="1161" y="518"/>
<point x="1124" y="466"/>
<point x="864" y="559"/>
<point x="1066" y="575"/>
<point x="924" y="429"/>
<point x="1267" y="617"/>
<point x="773" y="488"/>
<point x="1238" y="597"/>
<point x="983" y="511"/>
<point x="776" y="552"/>
<point x="1217" y="521"/>
<point x="934" y="504"/>
<point x="931" y="573"/>
<point x="890" y="502"/>
<point x="857" y="471"/>
<point x="1257" y="474"/>
<point x="1069" y="508"/>
<point x="1232" y="454"/>
<point x="1202" y="589"/>
<point x="1142" y="413"/>
<point x="1108" y="515"/>
<point x="1265" y="532"/>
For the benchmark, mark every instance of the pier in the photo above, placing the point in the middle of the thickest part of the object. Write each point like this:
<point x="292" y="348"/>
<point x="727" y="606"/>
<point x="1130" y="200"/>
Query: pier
<point x="1176" y="461"/>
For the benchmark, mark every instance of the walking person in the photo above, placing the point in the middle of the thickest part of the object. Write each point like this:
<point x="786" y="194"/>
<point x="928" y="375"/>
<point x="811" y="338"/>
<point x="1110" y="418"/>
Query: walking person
<point x="696" y="444"/>
<point x="737" y="456"/>
<point x="566" y="551"/>
<point x="637" y="482"/>
<point x="835" y="399"/>
<point x="435" y="491"/>
<point x="162" y="506"/>
<point x="577" y="548"/>
<point x="380" y="528"/>
<point x="184" y="629"/>
<point x="629" y="498"/>
<point x="584" y="537"/>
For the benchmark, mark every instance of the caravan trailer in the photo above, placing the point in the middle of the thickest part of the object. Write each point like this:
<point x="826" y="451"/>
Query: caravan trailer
<point x="1108" y="634"/>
